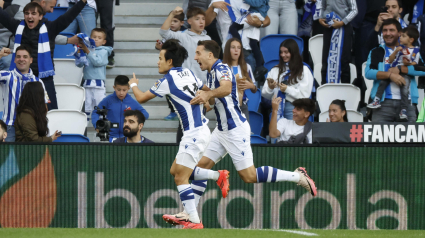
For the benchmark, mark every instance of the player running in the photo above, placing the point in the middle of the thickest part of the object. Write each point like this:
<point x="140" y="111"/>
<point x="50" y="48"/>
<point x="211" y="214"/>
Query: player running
<point x="232" y="134"/>
<point x="180" y="85"/>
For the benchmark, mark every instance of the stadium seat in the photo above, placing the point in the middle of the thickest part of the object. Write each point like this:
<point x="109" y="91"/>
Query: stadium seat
<point x="317" y="73"/>
<point x="369" y="84"/>
<point x="254" y="100"/>
<point x="270" y="45"/>
<point x="353" y="72"/>
<point x="256" y="139"/>
<point x="62" y="51"/>
<point x="256" y="122"/>
<point x="269" y="65"/>
<point x="353" y="116"/>
<point x="315" y="47"/>
<point x="67" y="121"/>
<point x="1" y="114"/>
<point x="67" y="72"/>
<point x="329" y="92"/>
<point x="65" y="91"/>
<point x="57" y="12"/>
<point x="72" y="138"/>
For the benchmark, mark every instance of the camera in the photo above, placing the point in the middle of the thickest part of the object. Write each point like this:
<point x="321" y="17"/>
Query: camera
<point x="104" y="125"/>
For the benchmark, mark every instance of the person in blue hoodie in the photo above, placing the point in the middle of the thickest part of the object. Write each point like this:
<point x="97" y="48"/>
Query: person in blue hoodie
<point x="117" y="103"/>
<point x="95" y="68"/>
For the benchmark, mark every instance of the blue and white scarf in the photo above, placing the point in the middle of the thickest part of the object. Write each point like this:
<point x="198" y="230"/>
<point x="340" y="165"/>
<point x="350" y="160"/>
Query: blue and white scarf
<point x="44" y="58"/>
<point x="80" y="56"/>
<point x="418" y="11"/>
<point x="333" y="74"/>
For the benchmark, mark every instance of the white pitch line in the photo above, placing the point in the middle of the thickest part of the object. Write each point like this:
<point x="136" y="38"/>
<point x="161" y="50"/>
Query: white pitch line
<point x="299" y="232"/>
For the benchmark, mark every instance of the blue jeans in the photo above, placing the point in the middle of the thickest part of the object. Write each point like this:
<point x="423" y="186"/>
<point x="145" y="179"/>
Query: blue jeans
<point x="287" y="112"/>
<point x="10" y="134"/>
<point x="86" y="21"/>
<point x="5" y="62"/>
<point x="249" y="58"/>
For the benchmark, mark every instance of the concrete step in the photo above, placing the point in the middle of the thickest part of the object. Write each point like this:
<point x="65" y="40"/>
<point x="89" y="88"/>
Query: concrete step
<point x="140" y="20"/>
<point x="144" y="84"/>
<point x="136" y="34"/>
<point x="126" y="45"/>
<point x="136" y="60"/>
<point x="154" y="8"/>
<point x="141" y="72"/>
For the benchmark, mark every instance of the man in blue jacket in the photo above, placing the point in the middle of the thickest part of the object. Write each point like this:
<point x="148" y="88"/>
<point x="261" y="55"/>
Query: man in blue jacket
<point x="117" y="103"/>
<point x="378" y="68"/>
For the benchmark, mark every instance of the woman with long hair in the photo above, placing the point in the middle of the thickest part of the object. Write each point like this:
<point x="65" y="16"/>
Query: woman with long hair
<point x="337" y="111"/>
<point x="289" y="80"/>
<point x="234" y="58"/>
<point x="31" y="115"/>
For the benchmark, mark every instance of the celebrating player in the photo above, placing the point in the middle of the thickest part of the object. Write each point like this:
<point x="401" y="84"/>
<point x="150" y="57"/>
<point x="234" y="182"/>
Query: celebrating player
<point x="232" y="134"/>
<point x="180" y="85"/>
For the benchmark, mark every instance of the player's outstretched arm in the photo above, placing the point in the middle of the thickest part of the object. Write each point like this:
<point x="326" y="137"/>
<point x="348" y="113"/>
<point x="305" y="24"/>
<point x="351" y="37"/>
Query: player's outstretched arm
<point x="141" y="97"/>
<point x="273" y="131"/>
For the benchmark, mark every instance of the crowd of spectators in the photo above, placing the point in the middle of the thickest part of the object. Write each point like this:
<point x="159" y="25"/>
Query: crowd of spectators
<point x="378" y="32"/>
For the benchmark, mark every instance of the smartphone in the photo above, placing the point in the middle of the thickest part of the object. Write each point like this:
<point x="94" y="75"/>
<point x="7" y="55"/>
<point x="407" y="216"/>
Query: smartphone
<point x="285" y="82"/>
<point x="59" y="133"/>
<point x="384" y="10"/>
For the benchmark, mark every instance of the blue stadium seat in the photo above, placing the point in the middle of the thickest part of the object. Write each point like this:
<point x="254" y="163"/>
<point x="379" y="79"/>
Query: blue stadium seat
<point x="269" y="65"/>
<point x="57" y="11"/>
<point x="256" y="122"/>
<point x="269" y="45"/>
<point x="61" y="51"/>
<point x="254" y="100"/>
<point x="256" y="139"/>
<point x="1" y="115"/>
<point x="72" y="138"/>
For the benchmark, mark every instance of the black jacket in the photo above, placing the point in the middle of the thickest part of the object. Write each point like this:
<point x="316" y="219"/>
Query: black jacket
<point x="123" y="140"/>
<point x="30" y="36"/>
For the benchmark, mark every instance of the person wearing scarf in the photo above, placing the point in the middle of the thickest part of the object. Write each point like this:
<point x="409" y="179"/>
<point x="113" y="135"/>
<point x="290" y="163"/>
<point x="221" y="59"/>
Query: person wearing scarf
<point x="378" y="68"/>
<point x="336" y="16"/>
<point x="40" y="35"/>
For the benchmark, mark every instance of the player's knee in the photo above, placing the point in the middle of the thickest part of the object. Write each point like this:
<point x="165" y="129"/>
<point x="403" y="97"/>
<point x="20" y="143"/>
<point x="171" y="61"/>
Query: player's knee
<point x="205" y="163"/>
<point x="179" y="179"/>
<point x="248" y="178"/>
<point x="172" y="172"/>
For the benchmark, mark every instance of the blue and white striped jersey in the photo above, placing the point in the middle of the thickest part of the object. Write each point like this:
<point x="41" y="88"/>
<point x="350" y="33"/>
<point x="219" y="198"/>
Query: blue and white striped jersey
<point x="12" y="83"/>
<point x="180" y="86"/>
<point x="227" y="109"/>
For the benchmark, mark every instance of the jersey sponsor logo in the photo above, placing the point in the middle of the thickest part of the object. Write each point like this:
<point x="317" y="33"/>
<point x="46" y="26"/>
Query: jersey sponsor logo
<point x="127" y="108"/>
<point x="156" y="85"/>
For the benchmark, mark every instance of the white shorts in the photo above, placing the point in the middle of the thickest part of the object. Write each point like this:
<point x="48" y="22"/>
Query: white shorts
<point x="236" y="142"/>
<point x="193" y="143"/>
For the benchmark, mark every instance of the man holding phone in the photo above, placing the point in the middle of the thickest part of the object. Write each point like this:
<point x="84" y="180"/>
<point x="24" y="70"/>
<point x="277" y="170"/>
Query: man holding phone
<point x="392" y="9"/>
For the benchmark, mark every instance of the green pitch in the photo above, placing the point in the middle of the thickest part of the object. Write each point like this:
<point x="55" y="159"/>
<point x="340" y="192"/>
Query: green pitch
<point x="206" y="233"/>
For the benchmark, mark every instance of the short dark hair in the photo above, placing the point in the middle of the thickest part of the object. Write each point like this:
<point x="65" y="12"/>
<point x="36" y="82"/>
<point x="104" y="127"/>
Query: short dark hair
<point x="3" y="126"/>
<point x="174" y="51"/>
<point x="211" y="46"/>
<point x="136" y="113"/>
<point x="26" y="48"/>
<point x="411" y="32"/>
<point x="400" y="4"/>
<point x="392" y="21"/>
<point x="306" y="104"/>
<point x="121" y="80"/>
<point x="98" y="29"/>
<point x="33" y="5"/>
<point x="194" y="11"/>
<point x="179" y="17"/>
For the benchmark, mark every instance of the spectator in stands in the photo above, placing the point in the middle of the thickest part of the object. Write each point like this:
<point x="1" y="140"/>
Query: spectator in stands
<point x="336" y="17"/>
<point x="3" y="131"/>
<point x="13" y="82"/>
<point x="95" y="69"/>
<point x="393" y="10"/>
<point x="15" y="10"/>
<point x="251" y="34"/>
<point x="405" y="54"/>
<point x="220" y="10"/>
<point x="105" y="8"/>
<point x="31" y="118"/>
<point x="117" y="103"/>
<point x="234" y="58"/>
<point x="85" y="21"/>
<point x="283" y="17"/>
<point x="134" y="121"/>
<point x="33" y="31"/>
<point x="378" y="68"/>
<point x="289" y="80"/>
<point x="176" y="26"/>
<point x="188" y="39"/>
<point x="296" y="131"/>
<point x="337" y="111"/>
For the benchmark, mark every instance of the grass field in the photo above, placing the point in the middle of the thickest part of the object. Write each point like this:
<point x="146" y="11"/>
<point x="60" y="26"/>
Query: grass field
<point x="206" y="233"/>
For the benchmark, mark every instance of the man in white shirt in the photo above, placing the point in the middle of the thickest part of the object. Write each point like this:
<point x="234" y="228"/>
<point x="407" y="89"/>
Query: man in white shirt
<point x="292" y="131"/>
